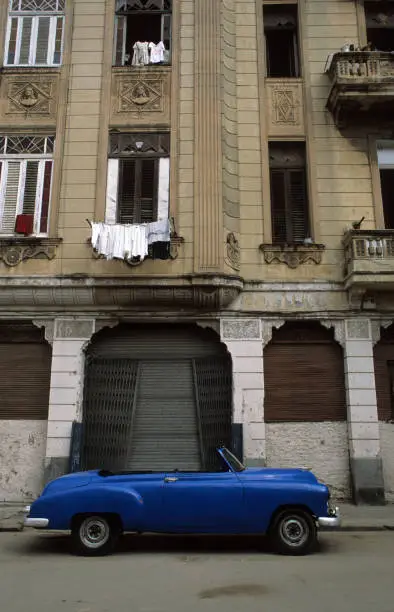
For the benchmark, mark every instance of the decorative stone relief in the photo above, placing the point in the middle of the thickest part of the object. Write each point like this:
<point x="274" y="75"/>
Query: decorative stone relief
<point x="268" y="327"/>
<point x="233" y="252"/>
<point x="30" y="98"/>
<point x="358" y="329"/>
<point x="141" y="94"/>
<point x="49" y="326"/>
<point x="285" y="102"/>
<point x="240" y="329"/>
<point x="72" y="328"/>
<point x="376" y="327"/>
<point x="293" y="256"/>
<point x="339" y="329"/>
<point x="14" y="251"/>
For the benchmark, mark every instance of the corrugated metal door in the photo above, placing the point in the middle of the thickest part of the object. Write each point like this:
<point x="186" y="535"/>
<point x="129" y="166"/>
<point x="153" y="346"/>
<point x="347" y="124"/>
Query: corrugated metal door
<point x="183" y="376"/>
<point x="304" y="375"/>
<point x="25" y="373"/>
<point x="384" y="374"/>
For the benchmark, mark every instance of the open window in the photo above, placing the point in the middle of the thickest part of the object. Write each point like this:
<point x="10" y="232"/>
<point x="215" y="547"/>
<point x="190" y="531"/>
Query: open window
<point x="25" y="184"/>
<point x="138" y="178"/>
<point x="379" y="17"/>
<point x="34" y="34"/>
<point x="289" y="197"/>
<point x="142" y="32"/>
<point x="281" y="40"/>
<point x="386" y="171"/>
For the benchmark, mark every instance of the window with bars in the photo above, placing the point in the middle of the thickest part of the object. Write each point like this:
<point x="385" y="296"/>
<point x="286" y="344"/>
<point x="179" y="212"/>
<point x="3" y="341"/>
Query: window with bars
<point x="141" y="21"/>
<point x="289" y="198"/>
<point x="138" y="178"/>
<point x="281" y="41"/>
<point x="25" y="184"/>
<point x="35" y="33"/>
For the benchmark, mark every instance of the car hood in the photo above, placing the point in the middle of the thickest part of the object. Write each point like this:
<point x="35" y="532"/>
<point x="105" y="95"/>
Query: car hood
<point x="69" y="481"/>
<point x="281" y="474"/>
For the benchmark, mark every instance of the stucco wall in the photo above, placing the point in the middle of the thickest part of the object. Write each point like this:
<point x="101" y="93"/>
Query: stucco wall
<point x="323" y="447"/>
<point x="22" y="452"/>
<point x="387" y="450"/>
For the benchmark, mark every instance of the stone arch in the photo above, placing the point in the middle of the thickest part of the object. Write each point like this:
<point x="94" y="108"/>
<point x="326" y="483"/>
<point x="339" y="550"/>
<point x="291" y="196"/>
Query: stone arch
<point x="168" y="388"/>
<point x="305" y="402"/>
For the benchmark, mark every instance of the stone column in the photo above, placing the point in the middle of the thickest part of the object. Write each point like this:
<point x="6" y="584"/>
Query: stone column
<point x="65" y="400"/>
<point x="363" y="425"/>
<point x="208" y="205"/>
<point x="244" y="342"/>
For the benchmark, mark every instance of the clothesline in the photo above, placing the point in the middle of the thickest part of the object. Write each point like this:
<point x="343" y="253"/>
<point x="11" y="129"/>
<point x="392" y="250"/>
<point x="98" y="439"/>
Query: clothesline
<point x="145" y="53"/>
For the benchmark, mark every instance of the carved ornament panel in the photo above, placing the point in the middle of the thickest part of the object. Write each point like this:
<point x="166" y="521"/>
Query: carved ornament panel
<point x="285" y="107"/>
<point x="140" y="94"/>
<point x="29" y="96"/>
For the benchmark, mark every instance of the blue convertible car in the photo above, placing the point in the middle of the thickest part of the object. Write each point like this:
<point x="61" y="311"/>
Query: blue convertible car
<point x="97" y="506"/>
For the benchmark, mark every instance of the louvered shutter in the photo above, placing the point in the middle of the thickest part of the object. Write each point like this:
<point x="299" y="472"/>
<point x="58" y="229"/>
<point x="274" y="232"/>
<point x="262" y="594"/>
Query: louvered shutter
<point x="298" y="209"/>
<point x="120" y="39"/>
<point x="42" y="40"/>
<point x="12" y="41"/>
<point x="126" y="191"/>
<point x="30" y="191"/>
<point x="57" y="54"/>
<point x="26" y="26"/>
<point x="148" y="190"/>
<point x="278" y="206"/>
<point x="10" y="198"/>
<point x="46" y="192"/>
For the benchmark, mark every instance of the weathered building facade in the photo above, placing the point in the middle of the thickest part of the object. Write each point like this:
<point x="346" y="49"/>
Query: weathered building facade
<point x="263" y="314"/>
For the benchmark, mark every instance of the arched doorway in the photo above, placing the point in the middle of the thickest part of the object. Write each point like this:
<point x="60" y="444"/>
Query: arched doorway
<point x="157" y="397"/>
<point x="384" y="380"/>
<point x="305" y="403"/>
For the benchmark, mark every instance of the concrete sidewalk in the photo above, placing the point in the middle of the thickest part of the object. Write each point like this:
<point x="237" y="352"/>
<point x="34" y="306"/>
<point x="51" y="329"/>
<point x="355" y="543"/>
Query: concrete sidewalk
<point x="354" y="518"/>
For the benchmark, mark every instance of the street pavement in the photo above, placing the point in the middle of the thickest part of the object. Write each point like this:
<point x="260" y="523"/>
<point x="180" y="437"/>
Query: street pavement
<point x="351" y="572"/>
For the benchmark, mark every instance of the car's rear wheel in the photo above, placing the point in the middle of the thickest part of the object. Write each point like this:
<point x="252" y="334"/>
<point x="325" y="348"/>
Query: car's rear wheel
<point x="294" y="532"/>
<point x="94" y="535"/>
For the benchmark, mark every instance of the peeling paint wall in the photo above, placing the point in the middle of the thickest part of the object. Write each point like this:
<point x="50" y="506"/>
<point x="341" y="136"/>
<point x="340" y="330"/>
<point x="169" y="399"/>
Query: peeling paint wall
<point x="22" y="452"/>
<point x="323" y="447"/>
<point x="387" y="450"/>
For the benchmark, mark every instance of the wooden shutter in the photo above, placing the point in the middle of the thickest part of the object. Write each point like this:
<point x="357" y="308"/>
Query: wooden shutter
<point x="42" y="40"/>
<point x="46" y="194"/>
<point x="148" y="190"/>
<point x="120" y="40"/>
<point x="298" y="209"/>
<point x="30" y="191"/>
<point x="57" y="54"/>
<point x="10" y="198"/>
<point x="26" y="26"/>
<point x="278" y="206"/>
<point x="126" y="191"/>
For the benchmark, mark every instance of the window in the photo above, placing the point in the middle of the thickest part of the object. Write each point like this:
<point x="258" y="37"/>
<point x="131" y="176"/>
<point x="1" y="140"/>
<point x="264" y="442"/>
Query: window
<point x="289" y="201"/>
<point x="25" y="183"/>
<point x="386" y="170"/>
<point x="379" y="17"/>
<point x="281" y="41"/>
<point x="35" y="33"/>
<point x="142" y="21"/>
<point x="138" y="178"/>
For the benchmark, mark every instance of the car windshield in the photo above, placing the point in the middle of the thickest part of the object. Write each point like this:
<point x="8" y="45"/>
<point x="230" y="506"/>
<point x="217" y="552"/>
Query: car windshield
<point x="232" y="461"/>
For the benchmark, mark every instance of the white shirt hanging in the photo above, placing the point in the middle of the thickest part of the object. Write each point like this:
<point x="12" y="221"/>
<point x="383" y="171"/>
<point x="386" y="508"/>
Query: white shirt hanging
<point x="156" y="52"/>
<point x="141" y="54"/>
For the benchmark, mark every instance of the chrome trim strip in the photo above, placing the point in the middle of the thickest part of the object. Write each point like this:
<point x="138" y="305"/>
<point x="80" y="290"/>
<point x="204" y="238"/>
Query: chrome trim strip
<point x="39" y="523"/>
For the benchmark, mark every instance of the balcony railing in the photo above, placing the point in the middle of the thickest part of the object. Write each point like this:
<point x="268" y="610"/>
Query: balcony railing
<point x="362" y="85"/>
<point x="369" y="258"/>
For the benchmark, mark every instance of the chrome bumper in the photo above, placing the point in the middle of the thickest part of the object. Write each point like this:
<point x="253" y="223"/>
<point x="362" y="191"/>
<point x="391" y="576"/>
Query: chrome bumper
<point x="38" y="523"/>
<point x="333" y="520"/>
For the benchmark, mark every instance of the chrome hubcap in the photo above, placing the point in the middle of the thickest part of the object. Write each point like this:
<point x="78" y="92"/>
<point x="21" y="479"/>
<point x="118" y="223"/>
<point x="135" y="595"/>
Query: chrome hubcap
<point x="294" y="531"/>
<point x="94" y="532"/>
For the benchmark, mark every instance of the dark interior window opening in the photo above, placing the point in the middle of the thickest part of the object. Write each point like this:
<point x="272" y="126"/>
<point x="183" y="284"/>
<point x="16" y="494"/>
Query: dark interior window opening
<point x="133" y="25"/>
<point x="390" y="365"/>
<point x="379" y="17"/>
<point x="289" y="196"/>
<point x="387" y="186"/>
<point x="281" y="40"/>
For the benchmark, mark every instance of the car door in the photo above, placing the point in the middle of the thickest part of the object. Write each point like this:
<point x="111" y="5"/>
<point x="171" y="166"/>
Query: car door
<point x="203" y="502"/>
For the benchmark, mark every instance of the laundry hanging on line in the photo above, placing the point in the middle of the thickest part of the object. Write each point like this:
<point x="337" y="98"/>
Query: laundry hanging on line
<point x="145" y="53"/>
<point x="132" y="241"/>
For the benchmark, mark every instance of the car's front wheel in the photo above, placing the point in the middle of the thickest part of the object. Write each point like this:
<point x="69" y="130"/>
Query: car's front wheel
<point x="94" y="535"/>
<point x="294" y="533"/>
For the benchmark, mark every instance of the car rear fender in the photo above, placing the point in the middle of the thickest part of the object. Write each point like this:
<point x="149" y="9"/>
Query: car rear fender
<point x="60" y="508"/>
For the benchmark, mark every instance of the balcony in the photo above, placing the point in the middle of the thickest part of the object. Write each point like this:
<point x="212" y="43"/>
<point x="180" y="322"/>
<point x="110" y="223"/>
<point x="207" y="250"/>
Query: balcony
<point x="362" y="87"/>
<point x="369" y="259"/>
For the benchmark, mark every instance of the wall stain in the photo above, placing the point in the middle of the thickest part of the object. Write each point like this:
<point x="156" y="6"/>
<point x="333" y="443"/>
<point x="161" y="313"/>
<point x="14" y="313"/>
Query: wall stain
<point x="234" y="590"/>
